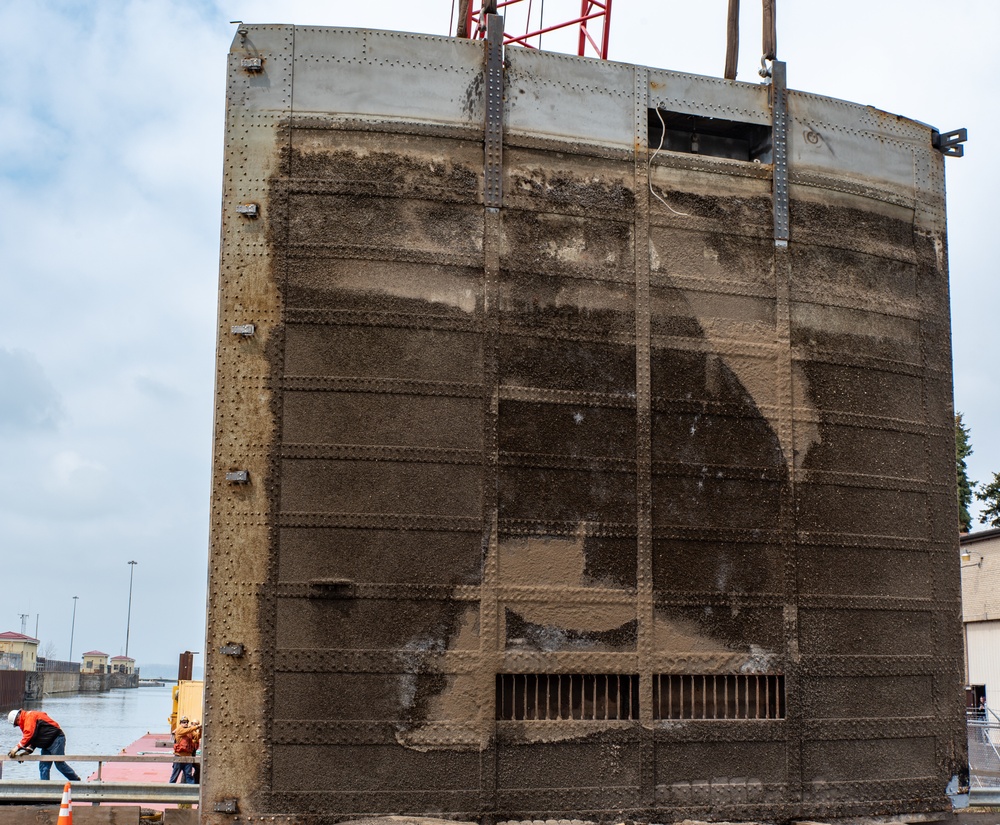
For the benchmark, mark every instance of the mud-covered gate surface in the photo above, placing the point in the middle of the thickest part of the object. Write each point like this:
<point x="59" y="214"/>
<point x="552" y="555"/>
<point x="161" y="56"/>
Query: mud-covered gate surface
<point x="567" y="492"/>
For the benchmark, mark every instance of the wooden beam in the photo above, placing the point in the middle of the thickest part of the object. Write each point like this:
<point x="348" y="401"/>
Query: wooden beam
<point x="462" y="28"/>
<point x="770" y="31"/>
<point x="732" y="40"/>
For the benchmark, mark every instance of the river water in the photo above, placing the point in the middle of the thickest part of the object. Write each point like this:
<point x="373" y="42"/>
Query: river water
<point x="94" y="723"/>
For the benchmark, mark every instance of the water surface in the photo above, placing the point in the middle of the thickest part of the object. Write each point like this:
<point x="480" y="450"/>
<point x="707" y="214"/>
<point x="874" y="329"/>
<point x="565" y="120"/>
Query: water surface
<point x="94" y="723"/>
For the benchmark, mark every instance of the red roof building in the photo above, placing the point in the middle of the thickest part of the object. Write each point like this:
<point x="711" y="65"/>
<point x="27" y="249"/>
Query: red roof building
<point x="94" y="661"/>
<point x="122" y="664"/>
<point x="18" y="652"/>
<point x="10" y="635"/>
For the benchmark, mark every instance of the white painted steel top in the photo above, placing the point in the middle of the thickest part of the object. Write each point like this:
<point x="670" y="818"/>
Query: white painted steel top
<point x="393" y="77"/>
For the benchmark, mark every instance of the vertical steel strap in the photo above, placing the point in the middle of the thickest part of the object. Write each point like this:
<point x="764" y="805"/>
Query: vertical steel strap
<point x="786" y="420"/>
<point x="779" y="138"/>
<point x="493" y="191"/>
<point x="643" y="695"/>
<point x="491" y="632"/>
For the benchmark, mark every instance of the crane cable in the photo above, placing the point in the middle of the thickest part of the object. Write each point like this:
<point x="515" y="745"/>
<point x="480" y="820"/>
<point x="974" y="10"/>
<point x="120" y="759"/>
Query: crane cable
<point x="769" y="38"/>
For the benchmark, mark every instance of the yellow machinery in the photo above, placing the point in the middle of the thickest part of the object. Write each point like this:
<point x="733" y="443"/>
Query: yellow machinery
<point x="187" y="701"/>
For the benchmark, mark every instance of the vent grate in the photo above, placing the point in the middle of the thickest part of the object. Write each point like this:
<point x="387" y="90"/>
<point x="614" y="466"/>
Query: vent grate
<point x="719" y="696"/>
<point x="545" y="696"/>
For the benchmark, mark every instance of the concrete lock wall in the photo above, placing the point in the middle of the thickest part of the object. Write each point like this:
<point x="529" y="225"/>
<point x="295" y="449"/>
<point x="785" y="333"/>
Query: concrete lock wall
<point x="547" y="482"/>
<point x="95" y="682"/>
<point x="60" y="682"/>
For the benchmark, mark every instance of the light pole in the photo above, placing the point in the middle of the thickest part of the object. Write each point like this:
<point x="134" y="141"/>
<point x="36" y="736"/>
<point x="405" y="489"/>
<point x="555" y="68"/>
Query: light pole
<point x="72" y="629"/>
<point x="128" y="621"/>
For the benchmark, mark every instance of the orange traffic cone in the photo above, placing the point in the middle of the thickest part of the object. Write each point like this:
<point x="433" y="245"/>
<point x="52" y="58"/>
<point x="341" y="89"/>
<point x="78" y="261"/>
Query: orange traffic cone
<point x="66" y="808"/>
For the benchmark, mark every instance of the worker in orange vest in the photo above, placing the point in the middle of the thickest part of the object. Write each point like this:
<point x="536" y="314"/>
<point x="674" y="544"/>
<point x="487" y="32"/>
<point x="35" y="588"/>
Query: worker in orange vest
<point x="43" y="732"/>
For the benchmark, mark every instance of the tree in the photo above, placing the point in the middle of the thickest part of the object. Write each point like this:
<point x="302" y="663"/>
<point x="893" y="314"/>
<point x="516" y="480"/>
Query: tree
<point x="963" y="449"/>
<point x="989" y="494"/>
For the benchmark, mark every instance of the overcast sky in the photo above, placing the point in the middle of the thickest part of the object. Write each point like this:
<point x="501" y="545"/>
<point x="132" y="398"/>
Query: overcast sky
<point x="111" y="135"/>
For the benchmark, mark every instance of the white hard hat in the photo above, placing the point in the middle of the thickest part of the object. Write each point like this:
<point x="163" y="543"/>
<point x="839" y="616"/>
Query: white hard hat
<point x="12" y="716"/>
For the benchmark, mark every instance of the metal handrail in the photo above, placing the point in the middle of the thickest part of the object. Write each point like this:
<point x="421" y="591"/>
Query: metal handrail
<point x="100" y="759"/>
<point x="982" y="714"/>
<point x="98" y="791"/>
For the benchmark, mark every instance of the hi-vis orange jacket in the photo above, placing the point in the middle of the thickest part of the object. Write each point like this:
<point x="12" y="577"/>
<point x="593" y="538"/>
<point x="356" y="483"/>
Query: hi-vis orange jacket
<point x="40" y="730"/>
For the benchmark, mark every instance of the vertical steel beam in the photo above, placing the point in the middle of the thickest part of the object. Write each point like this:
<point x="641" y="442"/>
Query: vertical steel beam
<point x="491" y="641"/>
<point x="786" y="425"/>
<point x="493" y="192"/>
<point x="242" y="571"/>
<point x="779" y="138"/>
<point x="644" y="439"/>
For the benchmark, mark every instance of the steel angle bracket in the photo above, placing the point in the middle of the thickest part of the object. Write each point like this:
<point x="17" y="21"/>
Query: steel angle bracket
<point x="949" y="144"/>
<point x="332" y="589"/>
<point x="493" y="189"/>
<point x="779" y="139"/>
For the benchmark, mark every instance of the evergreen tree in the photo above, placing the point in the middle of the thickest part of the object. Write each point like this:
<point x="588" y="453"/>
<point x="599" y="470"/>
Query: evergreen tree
<point x="963" y="449"/>
<point x="989" y="494"/>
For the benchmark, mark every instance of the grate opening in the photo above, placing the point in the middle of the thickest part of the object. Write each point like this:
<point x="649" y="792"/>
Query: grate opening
<point x="541" y="696"/>
<point x="740" y="696"/>
<point x="709" y="136"/>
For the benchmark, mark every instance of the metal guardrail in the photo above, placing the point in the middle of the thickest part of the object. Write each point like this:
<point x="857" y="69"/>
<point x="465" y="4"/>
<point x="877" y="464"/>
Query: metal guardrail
<point x="984" y="756"/>
<point x="101" y="759"/>
<point x="984" y="797"/>
<point x="98" y="790"/>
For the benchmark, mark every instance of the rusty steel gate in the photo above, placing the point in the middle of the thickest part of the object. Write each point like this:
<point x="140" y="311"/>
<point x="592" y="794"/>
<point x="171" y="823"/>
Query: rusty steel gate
<point x="583" y="443"/>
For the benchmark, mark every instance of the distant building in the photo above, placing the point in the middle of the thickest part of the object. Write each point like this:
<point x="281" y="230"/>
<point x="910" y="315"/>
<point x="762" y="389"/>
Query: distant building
<point x="18" y="652"/>
<point x="94" y="661"/>
<point x="122" y="664"/>
<point x="981" y="616"/>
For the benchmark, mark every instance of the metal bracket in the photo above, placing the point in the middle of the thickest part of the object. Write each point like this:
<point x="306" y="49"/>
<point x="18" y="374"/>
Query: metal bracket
<point x="248" y="210"/>
<point x="332" y="588"/>
<point x="779" y="141"/>
<point x="226" y="806"/>
<point x="493" y="188"/>
<point x="231" y="649"/>
<point x="252" y="64"/>
<point x="246" y="330"/>
<point x="238" y="476"/>
<point x="950" y="143"/>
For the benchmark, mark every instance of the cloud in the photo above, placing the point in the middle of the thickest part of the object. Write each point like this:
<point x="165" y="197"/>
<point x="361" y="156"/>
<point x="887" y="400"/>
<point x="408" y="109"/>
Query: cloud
<point x="28" y="401"/>
<point x="69" y="469"/>
<point x="158" y="391"/>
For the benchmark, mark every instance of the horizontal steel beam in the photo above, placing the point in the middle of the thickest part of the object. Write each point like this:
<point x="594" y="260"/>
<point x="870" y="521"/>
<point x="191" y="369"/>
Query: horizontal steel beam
<point x="116" y="757"/>
<point x="984" y="797"/>
<point x="97" y="792"/>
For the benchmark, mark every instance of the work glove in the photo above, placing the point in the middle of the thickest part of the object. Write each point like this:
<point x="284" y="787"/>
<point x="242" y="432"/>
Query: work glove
<point x="16" y="752"/>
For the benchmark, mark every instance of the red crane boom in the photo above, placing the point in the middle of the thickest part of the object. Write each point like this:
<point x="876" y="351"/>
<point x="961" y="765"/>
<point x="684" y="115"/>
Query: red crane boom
<point x="594" y="22"/>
